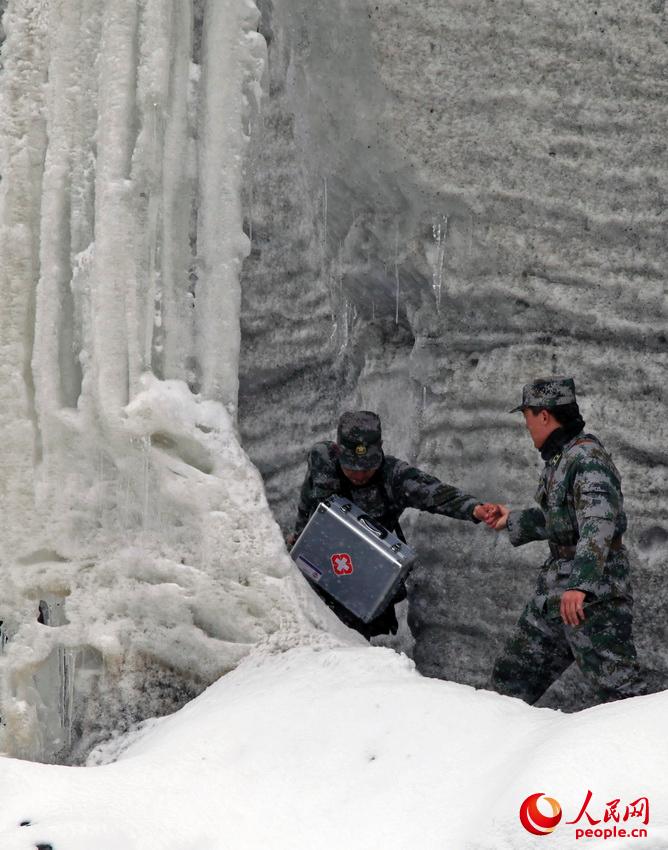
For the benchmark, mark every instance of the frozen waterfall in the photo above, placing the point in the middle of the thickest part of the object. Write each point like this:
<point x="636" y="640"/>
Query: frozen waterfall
<point x="128" y="504"/>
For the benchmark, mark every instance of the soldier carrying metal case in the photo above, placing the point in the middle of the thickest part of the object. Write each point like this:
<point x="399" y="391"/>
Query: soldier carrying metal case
<point x="382" y="487"/>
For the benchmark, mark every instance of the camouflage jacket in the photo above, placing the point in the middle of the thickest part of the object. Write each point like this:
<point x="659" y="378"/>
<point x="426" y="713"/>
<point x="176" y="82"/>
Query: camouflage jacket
<point x="395" y="487"/>
<point x="580" y="506"/>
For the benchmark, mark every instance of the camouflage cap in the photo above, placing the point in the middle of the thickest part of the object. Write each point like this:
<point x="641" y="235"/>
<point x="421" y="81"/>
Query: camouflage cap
<point x="554" y="391"/>
<point x="360" y="440"/>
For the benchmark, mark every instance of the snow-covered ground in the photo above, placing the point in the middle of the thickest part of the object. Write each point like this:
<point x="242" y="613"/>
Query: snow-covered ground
<point x="348" y="747"/>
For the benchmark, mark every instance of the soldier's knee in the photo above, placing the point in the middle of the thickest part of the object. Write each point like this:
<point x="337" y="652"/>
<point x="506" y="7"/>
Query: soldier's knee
<point x="510" y="679"/>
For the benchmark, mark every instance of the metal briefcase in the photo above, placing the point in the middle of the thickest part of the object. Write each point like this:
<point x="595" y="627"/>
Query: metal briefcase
<point x="352" y="558"/>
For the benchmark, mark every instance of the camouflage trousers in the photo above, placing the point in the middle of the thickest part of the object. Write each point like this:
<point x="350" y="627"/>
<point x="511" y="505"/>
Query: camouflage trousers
<point x="541" y="648"/>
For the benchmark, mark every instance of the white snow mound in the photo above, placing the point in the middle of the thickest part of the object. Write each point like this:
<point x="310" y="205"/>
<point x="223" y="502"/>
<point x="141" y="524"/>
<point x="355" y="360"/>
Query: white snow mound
<point x="345" y="747"/>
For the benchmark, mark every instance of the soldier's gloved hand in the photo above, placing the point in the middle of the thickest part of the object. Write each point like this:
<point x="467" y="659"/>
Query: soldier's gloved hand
<point x="572" y="607"/>
<point x="291" y="539"/>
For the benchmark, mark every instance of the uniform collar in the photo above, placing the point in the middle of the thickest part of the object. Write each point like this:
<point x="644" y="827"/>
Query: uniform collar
<point x="558" y="440"/>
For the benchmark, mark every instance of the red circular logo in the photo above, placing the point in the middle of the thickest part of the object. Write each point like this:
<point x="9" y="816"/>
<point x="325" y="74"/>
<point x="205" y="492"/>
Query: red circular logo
<point x="534" y="821"/>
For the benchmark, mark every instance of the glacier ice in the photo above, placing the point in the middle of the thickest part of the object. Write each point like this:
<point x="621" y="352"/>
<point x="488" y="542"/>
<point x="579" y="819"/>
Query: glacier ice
<point x="128" y="503"/>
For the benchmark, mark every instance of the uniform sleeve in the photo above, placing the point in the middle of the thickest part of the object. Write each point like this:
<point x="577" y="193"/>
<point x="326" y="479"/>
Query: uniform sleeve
<point x="307" y="504"/>
<point x="526" y="526"/>
<point x="417" y="489"/>
<point x="319" y="484"/>
<point x="597" y="500"/>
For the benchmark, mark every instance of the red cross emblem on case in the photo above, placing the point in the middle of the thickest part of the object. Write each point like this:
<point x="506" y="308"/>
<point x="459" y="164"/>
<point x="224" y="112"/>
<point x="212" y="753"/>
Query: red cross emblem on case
<point x="342" y="564"/>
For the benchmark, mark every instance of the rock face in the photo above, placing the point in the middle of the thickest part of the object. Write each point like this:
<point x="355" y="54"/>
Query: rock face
<point x="444" y="200"/>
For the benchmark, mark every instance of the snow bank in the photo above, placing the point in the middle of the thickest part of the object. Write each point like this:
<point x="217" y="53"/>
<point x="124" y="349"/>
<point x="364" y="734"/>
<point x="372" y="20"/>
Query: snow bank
<point x="147" y="625"/>
<point x="345" y="748"/>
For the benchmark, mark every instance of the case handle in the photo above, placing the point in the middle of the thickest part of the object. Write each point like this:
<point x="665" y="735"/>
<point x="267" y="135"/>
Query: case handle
<point x="373" y="526"/>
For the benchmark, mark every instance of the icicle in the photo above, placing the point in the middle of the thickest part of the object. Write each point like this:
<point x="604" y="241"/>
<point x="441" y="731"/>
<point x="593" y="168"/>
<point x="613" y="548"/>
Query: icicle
<point x="344" y="326"/>
<point x="328" y="276"/>
<point x="67" y="665"/>
<point x="234" y="52"/>
<point x="178" y="175"/>
<point x="146" y="469"/>
<point x="70" y="671"/>
<point x="440" y="233"/>
<point x="324" y="220"/>
<point x="422" y="410"/>
<point x="251" y="198"/>
<point x="153" y="282"/>
<point x="63" y="690"/>
<point x="338" y="302"/>
<point x="349" y="317"/>
<point x="396" y="275"/>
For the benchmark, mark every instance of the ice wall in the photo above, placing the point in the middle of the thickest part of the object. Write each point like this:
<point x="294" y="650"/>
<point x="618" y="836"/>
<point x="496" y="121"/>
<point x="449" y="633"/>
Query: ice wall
<point x="128" y="505"/>
<point x="448" y="200"/>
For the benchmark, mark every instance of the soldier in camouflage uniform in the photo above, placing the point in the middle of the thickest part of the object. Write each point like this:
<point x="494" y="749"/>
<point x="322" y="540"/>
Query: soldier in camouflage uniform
<point x="356" y="468"/>
<point x="582" y="606"/>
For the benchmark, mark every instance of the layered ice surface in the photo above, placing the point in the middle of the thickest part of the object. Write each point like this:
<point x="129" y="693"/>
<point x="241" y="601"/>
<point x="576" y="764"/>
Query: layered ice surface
<point x="500" y="166"/>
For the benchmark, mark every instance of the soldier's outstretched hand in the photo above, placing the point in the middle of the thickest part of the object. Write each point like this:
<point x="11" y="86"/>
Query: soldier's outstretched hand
<point x="500" y="519"/>
<point x="487" y="513"/>
<point x="484" y="512"/>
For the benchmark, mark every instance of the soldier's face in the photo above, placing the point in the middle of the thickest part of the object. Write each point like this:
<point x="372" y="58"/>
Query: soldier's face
<point x="359" y="477"/>
<point x="540" y="425"/>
